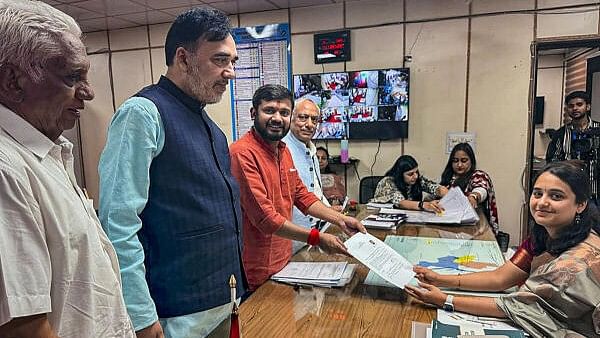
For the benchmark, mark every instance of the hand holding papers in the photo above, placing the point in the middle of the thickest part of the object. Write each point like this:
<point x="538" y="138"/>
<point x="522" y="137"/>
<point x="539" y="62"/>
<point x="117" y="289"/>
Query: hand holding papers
<point x="380" y="258"/>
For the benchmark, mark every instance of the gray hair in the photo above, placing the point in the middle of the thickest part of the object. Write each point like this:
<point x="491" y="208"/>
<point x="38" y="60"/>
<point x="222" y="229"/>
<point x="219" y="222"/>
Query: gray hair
<point x="31" y="33"/>
<point x="303" y="99"/>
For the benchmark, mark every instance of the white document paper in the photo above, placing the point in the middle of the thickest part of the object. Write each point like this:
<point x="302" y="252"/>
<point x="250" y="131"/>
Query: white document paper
<point x="389" y="211"/>
<point x="429" y="217"/>
<point x="323" y="271"/>
<point x="373" y="205"/>
<point x="375" y="224"/>
<point x="380" y="258"/>
<point x="455" y="201"/>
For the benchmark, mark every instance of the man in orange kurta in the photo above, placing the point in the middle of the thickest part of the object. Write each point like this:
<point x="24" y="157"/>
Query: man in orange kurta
<point x="270" y="186"/>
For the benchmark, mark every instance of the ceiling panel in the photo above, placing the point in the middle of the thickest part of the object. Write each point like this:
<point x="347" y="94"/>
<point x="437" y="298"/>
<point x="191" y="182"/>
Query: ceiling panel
<point x="176" y="11"/>
<point x="93" y="25"/>
<point x="300" y="3"/>
<point x="161" y="4"/>
<point x="229" y="7"/>
<point x="150" y="17"/>
<point x="96" y="15"/>
<point x="255" y="6"/>
<point x="79" y="13"/>
<point x="112" y="7"/>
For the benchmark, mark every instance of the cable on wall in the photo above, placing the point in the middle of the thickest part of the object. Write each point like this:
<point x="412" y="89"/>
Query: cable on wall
<point x="374" y="158"/>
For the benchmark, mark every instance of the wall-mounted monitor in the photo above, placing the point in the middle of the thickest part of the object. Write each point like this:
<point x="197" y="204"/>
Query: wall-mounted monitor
<point x="332" y="47"/>
<point x="364" y="104"/>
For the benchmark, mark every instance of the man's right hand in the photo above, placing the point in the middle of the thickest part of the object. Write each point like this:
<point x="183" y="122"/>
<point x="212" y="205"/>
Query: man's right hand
<point x="152" y="331"/>
<point x="332" y="244"/>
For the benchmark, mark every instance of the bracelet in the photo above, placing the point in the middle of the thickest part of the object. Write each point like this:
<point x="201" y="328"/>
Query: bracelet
<point x="313" y="237"/>
<point x="459" y="281"/>
<point x="421" y="205"/>
<point x="475" y="196"/>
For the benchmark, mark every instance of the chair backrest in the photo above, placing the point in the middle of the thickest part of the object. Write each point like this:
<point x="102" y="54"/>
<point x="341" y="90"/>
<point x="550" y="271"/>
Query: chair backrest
<point x="367" y="187"/>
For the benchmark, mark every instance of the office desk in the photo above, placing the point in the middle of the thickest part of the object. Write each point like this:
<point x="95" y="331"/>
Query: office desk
<point x="357" y="310"/>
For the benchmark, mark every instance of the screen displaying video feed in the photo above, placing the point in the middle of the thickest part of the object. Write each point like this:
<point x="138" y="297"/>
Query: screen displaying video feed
<point x="366" y="104"/>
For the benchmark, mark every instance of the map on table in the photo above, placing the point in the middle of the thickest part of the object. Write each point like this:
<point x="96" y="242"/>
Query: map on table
<point x="443" y="255"/>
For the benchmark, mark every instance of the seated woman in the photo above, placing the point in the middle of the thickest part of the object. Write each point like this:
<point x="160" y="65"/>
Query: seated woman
<point x="461" y="171"/>
<point x="557" y="267"/>
<point x="333" y="188"/>
<point x="403" y="186"/>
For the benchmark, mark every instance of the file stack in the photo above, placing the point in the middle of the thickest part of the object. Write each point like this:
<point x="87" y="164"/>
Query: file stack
<point x="324" y="274"/>
<point x="386" y="219"/>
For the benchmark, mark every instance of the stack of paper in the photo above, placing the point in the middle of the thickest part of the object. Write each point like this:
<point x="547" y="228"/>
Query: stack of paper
<point x="384" y="220"/>
<point x="373" y="205"/>
<point x="455" y="324"/>
<point x="457" y="210"/>
<point x="326" y="274"/>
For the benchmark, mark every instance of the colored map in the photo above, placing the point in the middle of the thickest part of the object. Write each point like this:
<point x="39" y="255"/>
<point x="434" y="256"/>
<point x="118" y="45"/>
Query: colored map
<point x="445" y="256"/>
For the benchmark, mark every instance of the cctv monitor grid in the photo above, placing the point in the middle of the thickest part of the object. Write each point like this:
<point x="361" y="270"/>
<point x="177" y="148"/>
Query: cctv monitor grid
<point x="355" y="97"/>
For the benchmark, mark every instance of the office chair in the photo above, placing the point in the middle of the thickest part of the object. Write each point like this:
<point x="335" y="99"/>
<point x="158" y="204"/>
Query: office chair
<point x="367" y="188"/>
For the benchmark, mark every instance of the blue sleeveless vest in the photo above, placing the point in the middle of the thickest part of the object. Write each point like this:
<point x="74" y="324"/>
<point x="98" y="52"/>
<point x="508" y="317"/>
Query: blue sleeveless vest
<point x="191" y="232"/>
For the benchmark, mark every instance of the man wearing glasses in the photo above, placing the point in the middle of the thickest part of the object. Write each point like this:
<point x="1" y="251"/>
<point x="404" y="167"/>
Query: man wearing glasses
<point x="305" y="119"/>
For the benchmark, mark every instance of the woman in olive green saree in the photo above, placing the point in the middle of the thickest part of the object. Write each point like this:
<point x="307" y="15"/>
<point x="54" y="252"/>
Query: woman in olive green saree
<point x="557" y="267"/>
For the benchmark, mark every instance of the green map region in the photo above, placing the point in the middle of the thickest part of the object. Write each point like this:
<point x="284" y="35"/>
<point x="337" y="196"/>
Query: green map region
<point x="443" y="255"/>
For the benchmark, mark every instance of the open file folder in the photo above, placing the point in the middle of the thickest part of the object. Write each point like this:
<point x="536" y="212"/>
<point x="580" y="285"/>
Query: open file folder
<point x="457" y="210"/>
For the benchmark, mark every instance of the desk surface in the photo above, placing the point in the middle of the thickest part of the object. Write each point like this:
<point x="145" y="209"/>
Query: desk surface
<point x="357" y="310"/>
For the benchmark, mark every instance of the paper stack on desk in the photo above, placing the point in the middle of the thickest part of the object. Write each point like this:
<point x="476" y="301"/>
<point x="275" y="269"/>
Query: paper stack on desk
<point x="384" y="220"/>
<point x="457" y="210"/>
<point x="325" y="274"/>
<point x="374" y="205"/>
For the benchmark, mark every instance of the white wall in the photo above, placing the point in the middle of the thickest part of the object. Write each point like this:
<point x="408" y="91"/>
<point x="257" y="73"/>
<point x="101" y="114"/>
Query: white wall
<point x="468" y="73"/>
<point x="550" y="84"/>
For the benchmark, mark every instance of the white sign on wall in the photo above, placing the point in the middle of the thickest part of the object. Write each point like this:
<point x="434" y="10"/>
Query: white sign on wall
<point x="454" y="138"/>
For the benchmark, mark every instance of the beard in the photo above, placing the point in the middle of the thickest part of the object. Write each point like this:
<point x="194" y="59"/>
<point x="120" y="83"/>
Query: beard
<point x="204" y="91"/>
<point x="264" y="132"/>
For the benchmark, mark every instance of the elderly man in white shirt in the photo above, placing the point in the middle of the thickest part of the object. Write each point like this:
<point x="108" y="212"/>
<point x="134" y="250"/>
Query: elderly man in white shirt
<point x="59" y="275"/>
<point x="303" y="126"/>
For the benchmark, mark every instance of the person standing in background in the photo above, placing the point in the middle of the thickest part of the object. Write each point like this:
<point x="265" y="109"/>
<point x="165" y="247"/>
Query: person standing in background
<point x="574" y="140"/>
<point x="59" y="275"/>
<point x="168" y="200"/>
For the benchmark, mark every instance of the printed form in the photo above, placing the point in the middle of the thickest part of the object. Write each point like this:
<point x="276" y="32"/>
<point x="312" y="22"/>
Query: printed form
<point x="380" y="258"/>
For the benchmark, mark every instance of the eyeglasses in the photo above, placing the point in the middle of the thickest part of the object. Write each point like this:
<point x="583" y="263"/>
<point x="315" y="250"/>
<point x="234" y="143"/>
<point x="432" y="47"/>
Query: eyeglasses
<point x="305" y="117"/>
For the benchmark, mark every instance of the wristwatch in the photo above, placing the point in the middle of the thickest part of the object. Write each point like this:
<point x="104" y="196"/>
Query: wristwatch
<point x="421" y="205"/>
<point x="448" y="305"/>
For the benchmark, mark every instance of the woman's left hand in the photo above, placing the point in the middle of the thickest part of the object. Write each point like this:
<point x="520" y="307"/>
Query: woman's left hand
<point x="427" y="293"/>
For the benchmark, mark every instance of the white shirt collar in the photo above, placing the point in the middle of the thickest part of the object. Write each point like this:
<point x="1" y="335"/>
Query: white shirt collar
<point x="26" y="134"/>
<point x="312" y="149"/>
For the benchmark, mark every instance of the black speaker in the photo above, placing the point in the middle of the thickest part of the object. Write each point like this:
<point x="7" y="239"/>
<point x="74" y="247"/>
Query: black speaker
<point x="538" y="110"/>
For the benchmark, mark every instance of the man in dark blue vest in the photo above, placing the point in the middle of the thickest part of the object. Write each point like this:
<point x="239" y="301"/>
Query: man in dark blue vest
<point x="168" y="201"/>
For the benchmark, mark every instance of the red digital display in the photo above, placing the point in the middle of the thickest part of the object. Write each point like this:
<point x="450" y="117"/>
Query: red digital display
<point x="332" y="47"/>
